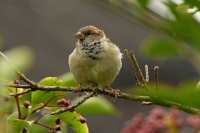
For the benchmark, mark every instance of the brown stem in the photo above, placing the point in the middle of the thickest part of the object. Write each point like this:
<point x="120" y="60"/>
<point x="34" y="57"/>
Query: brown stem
<point x="146" y="68"/>
<point x="73" y="107"/>
<point x="43" y="125"/>
<point x="42" y="106"/>
<point x="26" y="79"/>
<point x="120" y="95"/>
<point x="136" y="68"/>
<point x="32" y="86"/>
<point x="18" y="106"/>
<point x="156" y="74"/>
<point x="21" y="93"/>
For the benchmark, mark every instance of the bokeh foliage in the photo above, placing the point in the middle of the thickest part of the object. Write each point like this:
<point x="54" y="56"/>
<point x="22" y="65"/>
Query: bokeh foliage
<point x="20" y="59"/>
<point x="180" y="32"/>
<point x="176" y="23"/>
<point x="177" y="31"/>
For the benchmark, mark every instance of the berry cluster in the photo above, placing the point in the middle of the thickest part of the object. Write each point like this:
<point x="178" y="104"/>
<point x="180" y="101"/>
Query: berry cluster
<point x="161" y="121"/>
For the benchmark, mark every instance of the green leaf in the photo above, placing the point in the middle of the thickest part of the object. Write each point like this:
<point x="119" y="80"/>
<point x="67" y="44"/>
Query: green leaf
<point x="51" y="81"/>
<point x="97" y="106"/>
<point x="161" y="47"/>
<point x="143" y="3"/>
<point x="186" y="94"/>
<point x="68" y="80"/>
<point x="7" y="105"/>
<point x="185" y="26"/>
<point x="16" y="125"/>
<point x="74" y="121"/>
<point x="193" y="3"/>
<point x="24" y="110"/>
<point x="37" y="129"/>
<point x="25" y="97"/>
<point x="19" y="58"/>
<point x="50" y="97"/>
<point x="48" y="120"/>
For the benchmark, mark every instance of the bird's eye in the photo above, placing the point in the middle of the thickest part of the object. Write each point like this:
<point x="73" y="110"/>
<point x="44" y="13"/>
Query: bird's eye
<point x="81" y="39"/>
<point x="88" y="33"/>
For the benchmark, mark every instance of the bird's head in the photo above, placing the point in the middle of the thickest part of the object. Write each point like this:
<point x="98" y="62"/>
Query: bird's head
<point x="89" y="34"/>
<point x="90" y="41"/>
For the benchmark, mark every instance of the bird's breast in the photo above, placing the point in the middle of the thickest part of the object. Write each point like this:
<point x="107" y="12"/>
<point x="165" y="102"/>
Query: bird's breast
<point x="92" y="49"/>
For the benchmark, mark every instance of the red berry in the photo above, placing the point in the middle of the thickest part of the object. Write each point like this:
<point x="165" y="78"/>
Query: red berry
<point x="194" y="121"/>
<point x="63" y="102"/>
<point x="27" y="104"/>
<point x="83" y="119"/>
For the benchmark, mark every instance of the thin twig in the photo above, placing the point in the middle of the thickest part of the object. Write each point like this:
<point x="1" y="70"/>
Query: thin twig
<point x="21" y="93"/>
<point x="26" y="79"/>
<point x="18" y="106"/>
<point x="43" y="125"/>
<point x="73" y="107"/>
<point x="146" y="68"/>
<point x="21" y="75"/>
<point x="44" y="104"/>
<point x="135" y="66"/>
<point x="19" y="86"/>
<point x="156" y="75"/>
<point x="119" y="95"/>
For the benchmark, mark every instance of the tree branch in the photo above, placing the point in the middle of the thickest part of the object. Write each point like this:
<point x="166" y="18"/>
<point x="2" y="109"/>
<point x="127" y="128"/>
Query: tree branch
<point x="136" y="68"/>
<point x="111" y="92"/>
<point x="73" y="107"/>
<point x="33" y="86"/>
<point x="18" y="107"/>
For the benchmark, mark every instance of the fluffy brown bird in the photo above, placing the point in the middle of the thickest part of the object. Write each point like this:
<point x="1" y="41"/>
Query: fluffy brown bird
<point x="95" y="59"/>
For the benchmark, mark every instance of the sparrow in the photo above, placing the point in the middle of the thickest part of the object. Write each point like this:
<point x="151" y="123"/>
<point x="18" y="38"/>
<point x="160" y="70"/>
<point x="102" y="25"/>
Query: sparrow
<point x="95" y="60"/>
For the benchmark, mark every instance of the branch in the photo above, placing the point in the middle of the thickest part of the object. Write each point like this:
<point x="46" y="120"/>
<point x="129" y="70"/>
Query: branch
<point x="136" y="68"/>
<point x="21" y="75"/>
<point x="21" y="93"/>
<point x="156" y="75"/>
<point x="111" y="92"/>
<point x="43" y="125"/>
<point x="73" y="107"/>
<point x="33" y="86"/>
<point x="26" y="79"/>
<point x="18" y="105"/>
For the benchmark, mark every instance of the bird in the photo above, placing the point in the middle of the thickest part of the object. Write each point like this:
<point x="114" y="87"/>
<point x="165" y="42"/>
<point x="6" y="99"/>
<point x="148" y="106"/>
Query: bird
<point x="95" y="60"/>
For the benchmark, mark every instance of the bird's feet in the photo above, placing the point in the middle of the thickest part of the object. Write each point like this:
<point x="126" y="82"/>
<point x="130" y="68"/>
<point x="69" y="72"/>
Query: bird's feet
<point x="78" y="90"/>
<point x="115" y="92"/>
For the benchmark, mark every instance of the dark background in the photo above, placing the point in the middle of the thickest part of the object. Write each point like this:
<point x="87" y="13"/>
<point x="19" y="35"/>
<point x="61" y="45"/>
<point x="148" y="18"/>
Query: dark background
<point x="48" y="27"/>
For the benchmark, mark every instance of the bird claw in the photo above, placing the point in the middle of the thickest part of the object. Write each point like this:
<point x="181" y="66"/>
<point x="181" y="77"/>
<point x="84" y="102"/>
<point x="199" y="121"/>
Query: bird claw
<point x="115" y="92"/>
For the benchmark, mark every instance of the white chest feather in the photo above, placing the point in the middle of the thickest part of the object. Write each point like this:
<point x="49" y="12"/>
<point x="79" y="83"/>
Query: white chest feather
<point x="101" y="71"/>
